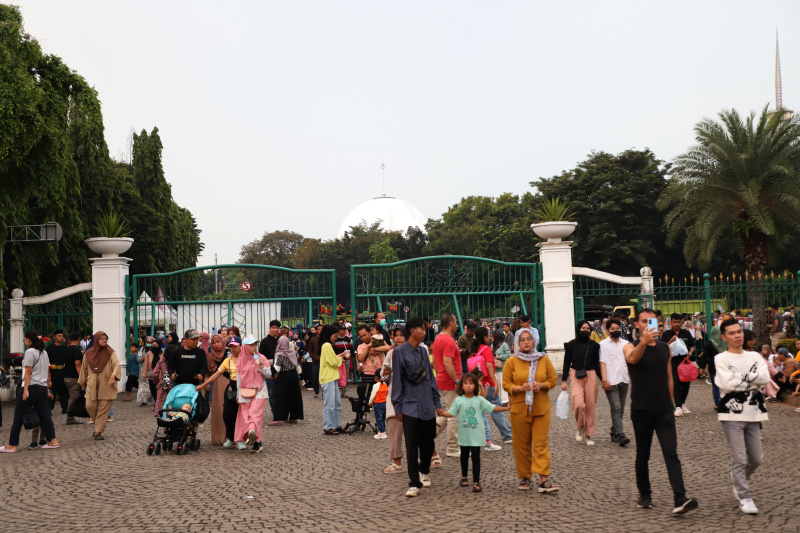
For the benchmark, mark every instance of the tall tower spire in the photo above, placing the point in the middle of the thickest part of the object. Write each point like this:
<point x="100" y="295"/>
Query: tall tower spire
<point x="778" y="87"/>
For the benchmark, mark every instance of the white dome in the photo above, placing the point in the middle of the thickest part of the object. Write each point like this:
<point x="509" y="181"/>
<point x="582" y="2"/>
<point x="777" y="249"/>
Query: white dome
<point x="394" y="214"/>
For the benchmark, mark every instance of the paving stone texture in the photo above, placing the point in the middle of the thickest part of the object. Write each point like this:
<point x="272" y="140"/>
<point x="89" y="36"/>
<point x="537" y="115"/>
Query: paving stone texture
<point x="304" y="481"/>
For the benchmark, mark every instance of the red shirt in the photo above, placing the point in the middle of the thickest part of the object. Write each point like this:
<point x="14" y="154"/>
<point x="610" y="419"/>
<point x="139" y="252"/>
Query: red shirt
<point x="445" y="346"/>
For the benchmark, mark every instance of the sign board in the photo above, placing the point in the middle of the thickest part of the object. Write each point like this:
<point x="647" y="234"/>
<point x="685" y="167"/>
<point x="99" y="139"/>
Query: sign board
<point x="515" y="309"/>
<point x="406" y="309"/>
<point x="245" y="285"/>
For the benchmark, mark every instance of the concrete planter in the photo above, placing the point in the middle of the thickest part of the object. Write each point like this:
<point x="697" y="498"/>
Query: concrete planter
<point x="109" y="247"/>
<point x="554" y="231"/>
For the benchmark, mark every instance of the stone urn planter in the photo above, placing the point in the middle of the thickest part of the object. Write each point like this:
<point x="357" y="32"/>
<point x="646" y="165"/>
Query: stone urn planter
<point x="554" y="231"/>
<point x="109" y="246"/>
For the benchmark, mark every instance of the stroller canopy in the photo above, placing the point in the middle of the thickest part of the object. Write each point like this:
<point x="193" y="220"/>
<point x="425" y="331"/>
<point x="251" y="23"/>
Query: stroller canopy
<point x="180" y="395"/>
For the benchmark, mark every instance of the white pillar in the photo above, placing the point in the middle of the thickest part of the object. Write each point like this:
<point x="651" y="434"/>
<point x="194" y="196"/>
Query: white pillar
<point x="108" y="303"/>
<point x="647" y="298"/>
<point x="17" y="322"/>
<point x="559" y="301"/>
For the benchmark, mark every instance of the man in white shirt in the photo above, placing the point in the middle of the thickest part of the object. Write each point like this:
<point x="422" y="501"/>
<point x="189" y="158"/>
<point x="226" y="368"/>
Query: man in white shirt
<point x="614" y="372"/>
<point x="740" y="376"/>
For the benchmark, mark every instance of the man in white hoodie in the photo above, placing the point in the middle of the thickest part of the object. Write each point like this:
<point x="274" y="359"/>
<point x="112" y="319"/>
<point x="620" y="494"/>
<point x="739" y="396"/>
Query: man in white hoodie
<point x="739" y="376"/>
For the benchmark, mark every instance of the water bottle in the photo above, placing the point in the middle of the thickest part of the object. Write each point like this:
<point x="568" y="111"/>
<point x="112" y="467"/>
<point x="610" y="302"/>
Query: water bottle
<point x="529" y="393"/>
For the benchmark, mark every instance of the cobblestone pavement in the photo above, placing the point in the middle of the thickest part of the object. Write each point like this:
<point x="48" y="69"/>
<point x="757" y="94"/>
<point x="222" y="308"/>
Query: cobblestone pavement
<point x="304" y="481"/>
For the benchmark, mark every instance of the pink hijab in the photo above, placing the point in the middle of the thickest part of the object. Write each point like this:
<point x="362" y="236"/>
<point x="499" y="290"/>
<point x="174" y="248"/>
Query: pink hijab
<point x="205" y="341"/>
<point x="247" y="373"/>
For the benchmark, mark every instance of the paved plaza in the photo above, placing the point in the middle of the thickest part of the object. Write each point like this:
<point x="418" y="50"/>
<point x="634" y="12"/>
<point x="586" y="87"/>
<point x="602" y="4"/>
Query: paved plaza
<point x="304" y="481"/>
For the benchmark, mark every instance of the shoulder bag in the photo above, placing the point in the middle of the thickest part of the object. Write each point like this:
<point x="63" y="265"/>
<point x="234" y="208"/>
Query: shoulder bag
<point x="580" y="374"/>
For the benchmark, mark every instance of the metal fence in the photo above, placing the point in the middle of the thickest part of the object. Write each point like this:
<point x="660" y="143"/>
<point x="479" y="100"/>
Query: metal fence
<point x="246" y="296"/>
<point x="468" y="287"/>
<point x="71" y="313"/>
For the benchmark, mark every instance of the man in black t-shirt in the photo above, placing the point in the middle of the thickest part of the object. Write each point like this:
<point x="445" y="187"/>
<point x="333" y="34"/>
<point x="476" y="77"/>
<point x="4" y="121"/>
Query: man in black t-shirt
<point x="650" y="373"/>
<point x="57" y="352"/>
<point x="670" y="336"/>
<point x="188" y="363"/>
<point x="72" y="369"/>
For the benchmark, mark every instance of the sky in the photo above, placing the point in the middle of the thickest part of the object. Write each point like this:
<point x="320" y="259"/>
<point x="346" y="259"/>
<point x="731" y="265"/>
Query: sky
<point x="277" y="115"/>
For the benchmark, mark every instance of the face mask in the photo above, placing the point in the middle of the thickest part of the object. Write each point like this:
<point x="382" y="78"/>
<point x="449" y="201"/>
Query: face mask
<point x="585" y="334"/>
<point x="616" y="334"/>
<point x="383" y="322"/>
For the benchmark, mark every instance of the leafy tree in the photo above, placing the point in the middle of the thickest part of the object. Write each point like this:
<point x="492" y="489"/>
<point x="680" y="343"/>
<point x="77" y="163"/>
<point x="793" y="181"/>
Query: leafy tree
<point x="614" y="197"/>
<point x="740" y="180"/>
<point x="275" y="248"/>
<point x="382" y="252"/>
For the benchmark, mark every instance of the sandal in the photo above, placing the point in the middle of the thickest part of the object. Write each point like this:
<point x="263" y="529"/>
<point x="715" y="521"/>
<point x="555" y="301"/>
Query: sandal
<point x="476" y="487"/>
<point x="329" y="432"/>
<point x="524" y="484"/>
<point x="99" y="436"/>
<point x="548" y="486"/>
<point x="393" y="469"/>
<point x="436" y="461"/>
<point x="464" y="482"/>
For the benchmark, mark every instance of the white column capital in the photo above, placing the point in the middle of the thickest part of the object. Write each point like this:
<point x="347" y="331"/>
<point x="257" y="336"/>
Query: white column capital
<point x="108" y="304"/>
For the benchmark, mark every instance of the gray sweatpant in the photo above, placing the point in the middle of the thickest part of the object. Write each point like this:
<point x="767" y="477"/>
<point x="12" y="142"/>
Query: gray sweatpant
<point x="744" y="439"/>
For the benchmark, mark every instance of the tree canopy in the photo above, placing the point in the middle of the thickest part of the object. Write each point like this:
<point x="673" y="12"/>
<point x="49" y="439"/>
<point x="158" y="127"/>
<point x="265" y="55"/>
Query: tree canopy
<point x="55" y="166"/>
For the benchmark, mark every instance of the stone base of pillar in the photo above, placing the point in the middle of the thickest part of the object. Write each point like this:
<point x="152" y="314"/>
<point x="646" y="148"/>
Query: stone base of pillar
<point x="556" y="356"/>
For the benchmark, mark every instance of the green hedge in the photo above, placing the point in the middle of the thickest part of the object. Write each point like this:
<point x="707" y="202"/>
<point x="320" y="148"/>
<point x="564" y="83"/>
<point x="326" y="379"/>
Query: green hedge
<point x="789" y="344"/>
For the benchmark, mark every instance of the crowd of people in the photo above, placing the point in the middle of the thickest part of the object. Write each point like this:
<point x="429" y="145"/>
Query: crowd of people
<point x="421" y="379"/>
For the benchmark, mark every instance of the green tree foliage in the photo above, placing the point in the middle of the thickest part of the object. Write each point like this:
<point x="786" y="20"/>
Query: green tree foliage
<point x="275" y="248"/>
<point x="54" y="166"/>
<point x="742" y="179"/>
<point x="614" y="197"/>
<point x="382" y="252"/>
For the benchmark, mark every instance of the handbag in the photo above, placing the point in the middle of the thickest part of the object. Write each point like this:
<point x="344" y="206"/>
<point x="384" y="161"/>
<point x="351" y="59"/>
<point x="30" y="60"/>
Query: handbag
<point x="202" y="410"/>
<point x="31" y="418"/>
<point x="687" y="371"/>
<point x="418" y="375"/>
<point x="248" y="392"/>
<point x="230" y="391"/>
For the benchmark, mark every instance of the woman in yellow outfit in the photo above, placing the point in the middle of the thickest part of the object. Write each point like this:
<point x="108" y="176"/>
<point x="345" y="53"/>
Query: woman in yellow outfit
<point x="100" y="372"/>
<point x="529" y="370"/>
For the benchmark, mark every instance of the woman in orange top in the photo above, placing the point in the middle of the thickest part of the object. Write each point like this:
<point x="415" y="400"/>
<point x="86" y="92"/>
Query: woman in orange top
<point x="530" y="371"/>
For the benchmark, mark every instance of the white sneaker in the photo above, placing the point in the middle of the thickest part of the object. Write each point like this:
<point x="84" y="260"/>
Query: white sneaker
<point x="678" y="412"/>
<point x="227" y="444"/>
<point x="425" y="480"/>
<point x="492" y="447"/>
<point x="454" y="454"/>
<point x="747" y="506"/>
<point x="507" y="441"/>
<point x="579" y="435"/>
<point x="412" y="492"/>
<point x="589" y="441"/>
<point x="384" y="435"/>
<point x="241" y="446"/>
<point x="685" y="410"/>
<point x="377" y="436"/>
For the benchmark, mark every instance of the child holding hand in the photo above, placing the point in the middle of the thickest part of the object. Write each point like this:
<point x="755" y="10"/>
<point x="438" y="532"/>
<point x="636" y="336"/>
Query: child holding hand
<point x="469" y="408"/>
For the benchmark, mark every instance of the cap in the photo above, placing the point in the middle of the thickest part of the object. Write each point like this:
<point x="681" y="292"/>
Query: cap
<point x="784" y="351"/>
<point x="348" y="325"/>
<point x="235" y="340"/>
<point x="191" y="334"/>
<point x="697" y="313"/>
<point x="249" y="340"/>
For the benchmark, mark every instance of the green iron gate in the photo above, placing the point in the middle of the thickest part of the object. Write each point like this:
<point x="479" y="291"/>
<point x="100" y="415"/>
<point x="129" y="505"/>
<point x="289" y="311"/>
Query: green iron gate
<point x="70" y="313"/>
<point x="468" y="287"/>
<point x="246" y="296"/>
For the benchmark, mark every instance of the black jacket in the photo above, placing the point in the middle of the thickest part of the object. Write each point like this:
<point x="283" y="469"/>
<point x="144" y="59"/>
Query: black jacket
<point x="574" y="352"/>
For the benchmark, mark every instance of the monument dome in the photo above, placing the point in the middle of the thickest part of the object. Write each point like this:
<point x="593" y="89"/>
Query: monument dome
<point x="394" y="214"/>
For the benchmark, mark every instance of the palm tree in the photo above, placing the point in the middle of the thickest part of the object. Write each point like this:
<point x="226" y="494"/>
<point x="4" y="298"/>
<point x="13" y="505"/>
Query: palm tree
<point x="742" y="179"/>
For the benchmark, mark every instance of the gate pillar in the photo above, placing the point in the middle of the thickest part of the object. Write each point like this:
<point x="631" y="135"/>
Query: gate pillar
<point x="17" y="322"/>
<point x="559" y="302"/>
<point x="108" y="304"/>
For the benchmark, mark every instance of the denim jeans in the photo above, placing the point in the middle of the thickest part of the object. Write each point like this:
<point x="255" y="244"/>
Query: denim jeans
<point x="380" y="416"/>
<point x="272" y="389"/>
<point x="616" y="399"/>
<point x="331" y="405"/>
<point x="499" y="418"/>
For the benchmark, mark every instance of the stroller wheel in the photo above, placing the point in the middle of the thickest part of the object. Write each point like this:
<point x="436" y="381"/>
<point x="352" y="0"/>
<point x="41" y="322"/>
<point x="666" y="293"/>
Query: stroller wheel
<point x="196" y="444"/>
<point x="149" y="449"/>
<point x="168" y="446"/>
<point x="178" y="450"/>
<point x="158" y="449"/>
<point x="185" y="449"/>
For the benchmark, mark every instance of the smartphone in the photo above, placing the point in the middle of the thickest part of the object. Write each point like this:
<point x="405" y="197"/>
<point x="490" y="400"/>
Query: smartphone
<point x="652" y="324"/>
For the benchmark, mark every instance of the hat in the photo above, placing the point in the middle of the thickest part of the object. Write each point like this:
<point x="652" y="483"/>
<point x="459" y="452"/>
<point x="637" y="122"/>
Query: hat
<point x="249" y="340"/>
<point x="235" y="341"/>
<point x="348" y="325"/>
<point x="784" y="351"/>
<point x="697" y="313"/>
<point x="191" y="334"/>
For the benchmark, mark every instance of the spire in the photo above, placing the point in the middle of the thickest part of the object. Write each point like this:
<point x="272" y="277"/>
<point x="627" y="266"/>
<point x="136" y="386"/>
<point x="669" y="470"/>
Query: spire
<point x="778" y="87"/>
<point x="383" y="177"/>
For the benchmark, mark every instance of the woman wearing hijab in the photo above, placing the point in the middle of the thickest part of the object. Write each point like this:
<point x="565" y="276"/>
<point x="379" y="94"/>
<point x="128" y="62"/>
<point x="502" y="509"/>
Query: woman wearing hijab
<point x="714" y="346"/>
<point x="581" y="368"/>
<point x="151" y="360"/>
<point x="173" y="338"/>
<point x="216" y="354"/>
<point x="251" y="371"/>
<point x="159" y="371"/>
<point x="100" y="371"/>
<point x="528" y="376"/>
<point x="289" y="404"/>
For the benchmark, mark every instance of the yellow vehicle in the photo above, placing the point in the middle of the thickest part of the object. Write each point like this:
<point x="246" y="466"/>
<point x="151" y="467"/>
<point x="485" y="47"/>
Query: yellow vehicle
<point x="627" y="310"/>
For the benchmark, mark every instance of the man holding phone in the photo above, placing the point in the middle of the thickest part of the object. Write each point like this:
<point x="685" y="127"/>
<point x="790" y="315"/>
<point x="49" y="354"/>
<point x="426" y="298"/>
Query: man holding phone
<point x="652" y="405"/>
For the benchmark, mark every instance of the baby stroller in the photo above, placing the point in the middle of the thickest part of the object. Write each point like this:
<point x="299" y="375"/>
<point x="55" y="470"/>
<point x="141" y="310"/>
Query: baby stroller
<point x="360" y="406"/>
<point x="179" y="430"/>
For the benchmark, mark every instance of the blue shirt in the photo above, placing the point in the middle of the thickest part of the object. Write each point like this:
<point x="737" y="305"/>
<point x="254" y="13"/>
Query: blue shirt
<point x="418" y="401"/>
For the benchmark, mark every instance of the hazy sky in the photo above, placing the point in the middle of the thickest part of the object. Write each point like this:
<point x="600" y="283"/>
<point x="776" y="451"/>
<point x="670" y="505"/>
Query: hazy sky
<point x="275" y="115"/>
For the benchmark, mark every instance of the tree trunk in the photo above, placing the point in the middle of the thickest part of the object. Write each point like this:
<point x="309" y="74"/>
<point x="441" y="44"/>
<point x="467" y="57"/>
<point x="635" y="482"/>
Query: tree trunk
<point x="755" y="255"/>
